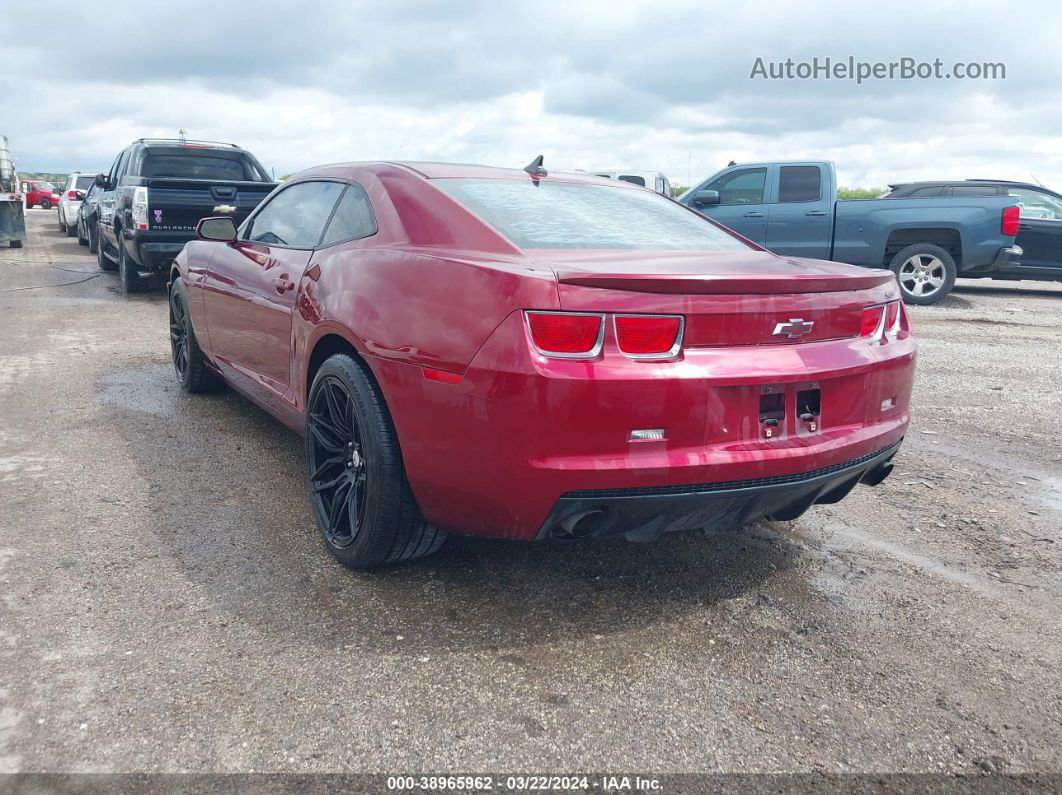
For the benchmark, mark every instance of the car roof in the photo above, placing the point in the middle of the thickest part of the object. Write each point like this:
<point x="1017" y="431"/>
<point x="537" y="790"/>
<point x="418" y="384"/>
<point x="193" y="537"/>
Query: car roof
<point x="436" y="170"/>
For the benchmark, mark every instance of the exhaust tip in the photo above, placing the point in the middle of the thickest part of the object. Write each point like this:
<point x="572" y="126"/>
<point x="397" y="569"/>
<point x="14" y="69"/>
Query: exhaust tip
<point x="878" y="474"/>
<point x="581" y="524"/>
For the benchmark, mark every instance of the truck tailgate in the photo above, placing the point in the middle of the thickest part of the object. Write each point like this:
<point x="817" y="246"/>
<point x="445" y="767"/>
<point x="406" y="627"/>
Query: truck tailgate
<point x="177" y="204"/>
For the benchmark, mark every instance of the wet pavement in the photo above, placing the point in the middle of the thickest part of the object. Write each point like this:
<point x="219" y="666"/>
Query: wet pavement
<point x="168" y="605"/>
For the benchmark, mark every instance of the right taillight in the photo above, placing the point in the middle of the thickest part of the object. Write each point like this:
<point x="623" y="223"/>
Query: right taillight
<point x="71" y="195"/>
<point x="566" y="335"/>
<point x="882" y="319"/>
<point x="1011" y="220"/>
<point x="649" y="336"/>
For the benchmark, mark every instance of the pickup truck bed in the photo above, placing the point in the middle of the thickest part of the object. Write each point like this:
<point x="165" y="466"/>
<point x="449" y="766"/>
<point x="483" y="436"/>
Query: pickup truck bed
<point x="792" y="209"/>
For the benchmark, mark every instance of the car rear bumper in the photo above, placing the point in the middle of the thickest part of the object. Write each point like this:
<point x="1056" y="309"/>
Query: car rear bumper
<point x="643" y="514"/>
<point x="155" y="251"/>
<point x="518" y="439"/>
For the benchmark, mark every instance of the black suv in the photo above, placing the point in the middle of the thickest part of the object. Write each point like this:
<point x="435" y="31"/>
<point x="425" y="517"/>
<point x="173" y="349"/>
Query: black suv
<point x="158" y="190"/>
<point x="1039" y="231"/>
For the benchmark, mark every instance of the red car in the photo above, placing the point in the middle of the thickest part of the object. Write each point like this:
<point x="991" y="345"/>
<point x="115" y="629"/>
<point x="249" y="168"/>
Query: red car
<point x="522" y="355"/>
<point x="40" y="194"/>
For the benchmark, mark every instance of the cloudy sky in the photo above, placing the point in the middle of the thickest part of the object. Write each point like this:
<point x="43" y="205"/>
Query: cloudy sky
<point x="657" y="86"/>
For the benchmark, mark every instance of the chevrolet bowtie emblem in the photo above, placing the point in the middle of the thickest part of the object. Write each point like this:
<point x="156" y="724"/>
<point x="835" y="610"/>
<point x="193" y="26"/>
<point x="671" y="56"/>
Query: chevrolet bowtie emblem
<point x="795" y="327"/>
<point x="226" y="209"/>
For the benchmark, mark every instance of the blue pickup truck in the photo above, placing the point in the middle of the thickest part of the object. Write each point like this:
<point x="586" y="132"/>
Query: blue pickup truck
<point x="791" y="208"/>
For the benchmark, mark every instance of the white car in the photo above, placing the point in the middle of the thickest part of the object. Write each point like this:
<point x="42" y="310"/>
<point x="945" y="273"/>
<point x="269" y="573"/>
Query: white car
<point x="653" y="180"/>
<point x="77" y="185"/>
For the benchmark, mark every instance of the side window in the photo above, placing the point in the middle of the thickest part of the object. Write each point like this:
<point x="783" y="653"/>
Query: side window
<point x="112" y="175"/>
<point x="973" y="190"/>
<point x="353" y="218"/>
<point x="925" y="193"/>
<point x="799" y="184"/>
<point x="744" y="186"/>
<point x="1035" y="204"/>
<point x="633" y="179"/>
<point x="296" y="216"/>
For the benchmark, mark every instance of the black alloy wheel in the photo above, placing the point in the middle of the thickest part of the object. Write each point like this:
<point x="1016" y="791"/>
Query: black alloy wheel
<point x="337" y="465"/>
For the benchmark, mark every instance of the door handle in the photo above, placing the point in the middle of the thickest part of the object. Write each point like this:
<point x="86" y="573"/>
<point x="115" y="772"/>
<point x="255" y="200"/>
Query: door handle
<point x="753" y="215"/>
<point x="282" y="283"/>
<point x="816" y="213"/>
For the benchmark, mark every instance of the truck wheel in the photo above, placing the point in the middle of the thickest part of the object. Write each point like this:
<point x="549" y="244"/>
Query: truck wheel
<point x="361" y="499"/>
<point x="81" y="239"/>
<point x="16" y="244"/>
<point x="926" y="273"/>
<point x="93" y="239"/>
<point x="127" y="274"/>
<point x="188" y="363"/>
<point x="45" y="204"/>
<point x="105" y="262"/>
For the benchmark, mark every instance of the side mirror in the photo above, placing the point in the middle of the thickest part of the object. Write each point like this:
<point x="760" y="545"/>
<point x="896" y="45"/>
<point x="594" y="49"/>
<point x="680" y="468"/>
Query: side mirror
<point x="80" y="195"/>
<point x="704" y="197"/>
<point x="101" y="181"/>
<point x="219" y="228"/>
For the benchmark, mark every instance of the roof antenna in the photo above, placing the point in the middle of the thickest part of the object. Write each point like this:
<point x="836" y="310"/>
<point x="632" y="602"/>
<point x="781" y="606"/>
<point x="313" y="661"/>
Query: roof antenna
<point x="535" y="169"/>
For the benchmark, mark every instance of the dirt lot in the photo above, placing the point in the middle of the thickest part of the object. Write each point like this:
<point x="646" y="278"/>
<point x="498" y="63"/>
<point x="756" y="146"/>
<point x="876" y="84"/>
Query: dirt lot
<point x="167" y="604"/>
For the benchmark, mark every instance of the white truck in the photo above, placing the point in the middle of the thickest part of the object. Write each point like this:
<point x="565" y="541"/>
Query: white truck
<point x="12" y="212"/>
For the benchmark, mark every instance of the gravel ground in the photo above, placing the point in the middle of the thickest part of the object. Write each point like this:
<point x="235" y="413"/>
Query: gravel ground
<point x="168" y="606"/>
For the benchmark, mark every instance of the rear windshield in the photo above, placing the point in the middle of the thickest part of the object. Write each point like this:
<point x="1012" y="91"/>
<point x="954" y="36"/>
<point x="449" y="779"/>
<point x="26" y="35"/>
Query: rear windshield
<point x="199" y="167"/>
<point x="568" y="215"/>
<point x="84" y="183"/>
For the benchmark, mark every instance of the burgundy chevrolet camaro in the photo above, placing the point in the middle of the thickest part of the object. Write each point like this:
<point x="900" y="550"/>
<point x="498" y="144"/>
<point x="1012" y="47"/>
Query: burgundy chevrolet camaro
<point x="526" y="355"/>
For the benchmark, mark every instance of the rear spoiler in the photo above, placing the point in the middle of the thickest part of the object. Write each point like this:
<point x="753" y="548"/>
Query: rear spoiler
<point x="729" y="284"/>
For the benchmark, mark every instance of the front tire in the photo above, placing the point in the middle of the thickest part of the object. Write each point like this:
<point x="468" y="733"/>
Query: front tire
<point x="925" y="272"/>
<point x="361" y="498"/>
<point x="188" y="363"/>
<point x="105" y="262"/>
<point x="81" y="239"/>
<point x="127" y="273"/>
<point x="94" y="239"/>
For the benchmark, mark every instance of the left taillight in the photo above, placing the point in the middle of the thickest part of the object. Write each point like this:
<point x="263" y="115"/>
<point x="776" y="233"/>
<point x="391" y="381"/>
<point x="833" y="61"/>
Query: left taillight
<point x="649" y="336"/>
<point x="140" y="207"/>
<point x="1011" y="222"/>
<point x="566" y="335"/>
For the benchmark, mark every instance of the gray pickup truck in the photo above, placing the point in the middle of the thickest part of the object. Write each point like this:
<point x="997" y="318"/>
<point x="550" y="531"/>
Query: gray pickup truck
<point x="792" y="209"/>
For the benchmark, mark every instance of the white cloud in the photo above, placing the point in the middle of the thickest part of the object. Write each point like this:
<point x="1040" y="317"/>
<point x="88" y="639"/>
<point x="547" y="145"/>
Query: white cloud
<point x="663" y="86"/>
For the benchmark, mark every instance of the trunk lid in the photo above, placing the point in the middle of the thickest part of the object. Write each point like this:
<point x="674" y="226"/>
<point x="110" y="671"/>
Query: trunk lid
<point x="753" y="298"/>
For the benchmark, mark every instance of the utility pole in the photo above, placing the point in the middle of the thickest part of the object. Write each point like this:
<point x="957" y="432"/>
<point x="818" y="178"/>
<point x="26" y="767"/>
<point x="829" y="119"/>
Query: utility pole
<point x="182" y="134"/>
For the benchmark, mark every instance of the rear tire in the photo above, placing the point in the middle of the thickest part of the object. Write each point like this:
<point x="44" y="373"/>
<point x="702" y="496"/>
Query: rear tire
<point x="16" y="244"/>
<point x="71" y="230"/>
<point x="127" y="273"/>
<point x="925" y="272"/>
<point x="361" y="498"/>
<point x="191" y="369"/>
<point x="62" y="226"/>
<point x="45" y="204"/>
